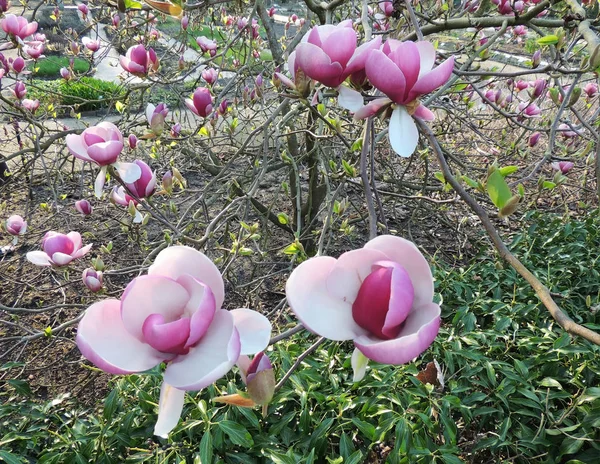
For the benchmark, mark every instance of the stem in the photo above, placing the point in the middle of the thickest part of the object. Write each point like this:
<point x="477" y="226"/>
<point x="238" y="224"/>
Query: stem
<point x="540" y="289"/>
<point x="365" y="180"/>
<point x="295" y="366"/>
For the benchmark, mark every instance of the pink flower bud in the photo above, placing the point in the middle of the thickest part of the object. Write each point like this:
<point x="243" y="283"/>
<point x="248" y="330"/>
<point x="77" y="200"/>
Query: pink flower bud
<point x="92" y="279"/>
<point x="84" y="207"/>
<point x="210" y="75"/>
<point x="17" y="65"/>
<point x="133" y="141"/>
<point x="563" y="166"/>
<point x="260" y="379"/>
<point x="74" y="48"/>
<point x="536" y="58"/>
<point x="16" y="225"/>
<point x="30" y="105"/>
<point x="167" y="182"/>
<point x="19" y="91"/>
<point x="521" y="85"/>
<point x="185" y="21"/>
<point x="176" y="130"/>
<point x="84" y="9"/>
<point x="534" y="139"/>
<point x="223" y="107"/>
<point x="201" y="102"/>
<point x="91" y="45"/>
<point x="116" y="19"/>
<point x="271" y="12"/>
<point x="206" y="44"/>
<point x="66" y="74"/>
<point x="591" y="89"/>
<point x="4" y="5"/>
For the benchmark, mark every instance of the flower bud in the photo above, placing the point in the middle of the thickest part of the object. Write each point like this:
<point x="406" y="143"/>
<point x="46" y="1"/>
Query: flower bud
<point x="575" y="94"/>
<point x="133" y="141"/>
<point x="176" y="130"/>
<point x="16" y="225"/>
<point x="185" y="21"/>
<point x="510" y="207"/>
<point x="536" y="59"/>
<point x="260" y="379"/>
<point x="534" y="139"/>
<point x="92" y="279"/>
<point x="84" y="207"/>
<point x="167" y="182"/>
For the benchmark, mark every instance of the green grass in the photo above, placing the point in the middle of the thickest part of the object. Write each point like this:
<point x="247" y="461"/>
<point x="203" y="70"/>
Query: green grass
<point x="518" y="389"/>
<point x="50" y="66"/>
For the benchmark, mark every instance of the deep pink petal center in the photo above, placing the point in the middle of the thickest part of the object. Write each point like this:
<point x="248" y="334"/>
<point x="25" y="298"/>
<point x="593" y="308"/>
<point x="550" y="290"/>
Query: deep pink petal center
<point x="167" y="337"/>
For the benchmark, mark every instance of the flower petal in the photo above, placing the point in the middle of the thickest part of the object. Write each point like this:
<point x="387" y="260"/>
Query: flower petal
<point x="151" y="294"/>
<point x="406" y="57"/>
<point x="201" y="307"/>
<point x="103" y="340"/>
<point x="312" y="303"/>
<point x="170" y="406"/>
<point x="317" y="65"/>
<point x="61" y="259"/>
<point x="254" y="330"/>
<point x="77" y="148"/>
<point x="350" y="270"/>
<point x="424" y="113"/>
<point x="372" y="108"/>
<point x="419" y="331"/>
<point x="403" y="132"/>
<point x="178" y="260"/>
<point x="208" y="361"/>
<point x="105" y="153"/>
<point x="385" y="75"/>
<point x="39" y="258"/>
<point x="433" y="79"/>
<point x="128" y="172"/>
<point x="410" y="258"/>
<point x="350" y="99"/>
<point x="427" y="56"/>
<point x="99" y="182"/>
<point x="359" y="365"/>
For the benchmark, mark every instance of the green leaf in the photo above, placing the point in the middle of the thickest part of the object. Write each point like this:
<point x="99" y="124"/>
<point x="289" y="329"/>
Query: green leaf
<point x="206" y="448"/>
<point x="498" y="189"/>
<point x="346" y="446"/>
<point x="355" y="458"/>
<point x="283" y="218"/>
<point x="20" y="386"/>
<point x="237" y="433"/>
<point x="508" y="170"/>
<point x="548" y="40"/>
<point x="367" y="429"/>
<point x="111" y="404"/>
<point x="549" y="382"/>
<point x="10" y="458"/>
<point x="451" y="459"/>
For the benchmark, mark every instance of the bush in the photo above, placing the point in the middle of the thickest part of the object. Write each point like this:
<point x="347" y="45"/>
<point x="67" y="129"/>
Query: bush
<point x="49" y="67"/>
<point x="84" y="94"/>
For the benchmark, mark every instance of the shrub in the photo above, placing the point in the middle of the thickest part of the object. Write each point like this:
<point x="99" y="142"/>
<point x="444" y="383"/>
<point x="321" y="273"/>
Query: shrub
<point x="49" y="67"/>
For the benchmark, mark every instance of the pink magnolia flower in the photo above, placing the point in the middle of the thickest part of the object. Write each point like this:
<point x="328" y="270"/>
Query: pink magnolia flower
<point x="530" y="110"/>
<point x="19" y="90"/>
<point x="328" y="54"/>
<point x="139" y="61"/>
<point x="591" y="89"/>
<point x="66" y="74"/>
<point x="566" y="131"/>
<point x="379" y="296"/>
<point x="116" y="19"/>
<point x="30" y="105"/>
<point x="4" y="5"/>
<point x="102" y="144"/>
<point x="90" y="44"/>
<point x="167" y="182"/>
<point x="206" y="44"/>
<point x="58" y="249"/>
<point x="271" y="12"/>
<point x="34" y="49"/>
<point x="538" y="88"/>
<point x="387" y="8"/>
<point x="172" y="315"/>
<point x="404" y="71"/>
<point x="17" y="65"/>
<point x="563" y="166"/>
<point x="520" y="30"/>
<point x="156" y="116"/>
<point x="84" y="9"/>
<point x="18" y="27"/>
<point x="521" y="85"/>
<point x="175" y="130"/>
<point x="141" y="188"/>
<point x="132" y="141"/>
<point x="16" y="225"/>
<point x="210" y="75"/>
<point x="185" y="22"/>
<point x="92" y="279"/>
<point x="84" y="207"/>
<point x="536" y="59"/>
<point x="201" y="102"/>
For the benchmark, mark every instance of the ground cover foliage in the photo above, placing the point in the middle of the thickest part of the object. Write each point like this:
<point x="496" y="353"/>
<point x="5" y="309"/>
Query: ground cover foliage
<point x="263" y="165"/>
<point x="517" y="388"/>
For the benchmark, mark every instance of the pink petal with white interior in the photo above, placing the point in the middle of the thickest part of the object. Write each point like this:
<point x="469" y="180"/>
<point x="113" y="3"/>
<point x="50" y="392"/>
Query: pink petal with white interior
<point x="82" y="251"/>
<point x="105" y="153"/>
<point x="424" y="113"/>
<point x="427" y="55"/>
<point x="312" y="303"/>
<point x="403" y="132"/>
<point x="372" y="108"/>
<point x="433" y="79"/>
<point x="419" y="332"/>
<point x="243" y="363"/>
<point x="128" y="172"/>
<point x="359" y="58"/>
<point x="39" y="258"/>
<point x="151" y="294"/>
<point x="254" y="330"/>
<point x="103" y="340"/>
<point x="170" y="406"/>
<point x="178" y="260"/>
<point x="350" y="270"/>
<point x="75" y="238"/>
<point x="149" y="112"/>
<point x="210" y="359"/>
<point x="61" y="259"/>
<point x="410" y="258"/>
<point x="402" y="294"/>
<point x="406" y="57"/>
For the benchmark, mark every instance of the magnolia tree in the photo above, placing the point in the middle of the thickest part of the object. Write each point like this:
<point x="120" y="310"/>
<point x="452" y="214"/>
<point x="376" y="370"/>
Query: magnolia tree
<point x="240" y="144"/>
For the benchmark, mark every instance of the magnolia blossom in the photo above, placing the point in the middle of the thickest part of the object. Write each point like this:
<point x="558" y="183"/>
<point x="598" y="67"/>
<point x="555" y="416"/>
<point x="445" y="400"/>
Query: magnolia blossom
<point x="563" y="166"/>
<point x="139" y="61"/>
<point x="259" y="378"/>
<point x="141" y="188"/>
<point x="206" y="44"/>
<point x="201" y="102"/>
<point x="534" y="139"/>
<point x="591" y="89"/>
<point x="156" y="117"/>
<point x="15" y="226"/>
<point x="17" y="65"/>
<point x="18" y="27"/>
<point x="530" y="110"/>
<point x="566" y="131"/>
<point x="210" y="75"/>
<point x="84" y="207"/>
<point x="328" y="54"/>
<point x="172" y="315"/>
<point x="66" y="74"/>
<point x="379" y="296"/>
<point x="30" y="105"/>
<point x="92" y="279"/>
<point x="387" y="8"/>
<point x="90" y="44"/>
<point x="59" y="249"/>
<point x="34" y="49"/>
<point x="19" y="90"/>
<point x="404" y="71"/>
<point x="101" y="144"/>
